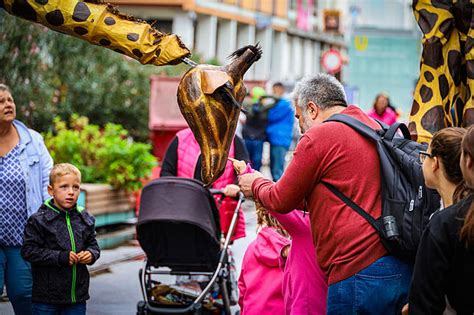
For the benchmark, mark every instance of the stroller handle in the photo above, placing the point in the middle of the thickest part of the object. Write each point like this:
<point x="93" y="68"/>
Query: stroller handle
<point x="216" y="191"/>
<point x="240" y="195"/>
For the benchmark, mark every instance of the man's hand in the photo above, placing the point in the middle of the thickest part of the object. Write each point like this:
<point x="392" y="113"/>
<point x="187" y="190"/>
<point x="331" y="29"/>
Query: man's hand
<point x="246" y="181"/>
<point x="73" y="258"/>
<point x="239" y="166"/>
<point x="85" y="257"/>
<point x="231" y="190"/>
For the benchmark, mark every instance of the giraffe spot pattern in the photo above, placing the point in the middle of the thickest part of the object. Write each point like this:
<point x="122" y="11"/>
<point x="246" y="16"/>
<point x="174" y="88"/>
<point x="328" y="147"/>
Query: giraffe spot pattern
<point x="462" y="16"/>
<point x="55" y="18"/>
<point x="443" y="86"/>
<point x="470" y="69"/>
<point x="440" y="4"/>
<point x="469" y="44"/>
<point x="43" y="2"/>
<point x="468" y="118"/>
<point x="454" y="64"/>
<point x="137" y="53"/>
<point x="132" y="37"/>
<point x="433" y="52"/>
<point x="109" y="20"/>
<point x="428" y="76"/>
<point x="459" y="107"/>
<point x="104" y="42"/>
<point x="447" y="106"/>
<point x="24" y="10"/>
<point x="158" y="52"/>
<point x="433" y="119"/>
<point x="426" y="93"/>
<point x="427" y="21"/>
<point x="80" y="30"/>
<point x="414" y="108"/>
<point x="81" y="12"/>
<point x="446" y="27"/>
<point x="412" y="129"/>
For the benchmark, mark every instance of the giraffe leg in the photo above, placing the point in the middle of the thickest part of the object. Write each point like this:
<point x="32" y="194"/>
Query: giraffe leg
<point x="439" y="85"/>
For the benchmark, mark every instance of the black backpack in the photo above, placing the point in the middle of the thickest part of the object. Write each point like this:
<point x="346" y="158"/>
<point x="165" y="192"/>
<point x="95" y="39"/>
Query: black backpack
<point x="406" y="203"/>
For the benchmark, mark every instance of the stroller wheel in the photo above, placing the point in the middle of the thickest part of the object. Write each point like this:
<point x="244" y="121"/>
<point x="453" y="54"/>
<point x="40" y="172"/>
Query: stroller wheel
<point x="141" y="308"/>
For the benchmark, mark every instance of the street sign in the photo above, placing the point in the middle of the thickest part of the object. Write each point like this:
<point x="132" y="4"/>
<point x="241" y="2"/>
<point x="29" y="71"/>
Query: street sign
<point x="331" y="61"/>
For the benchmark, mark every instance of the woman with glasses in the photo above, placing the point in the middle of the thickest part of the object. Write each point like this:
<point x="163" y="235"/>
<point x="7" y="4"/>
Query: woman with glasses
<point x="443" y="277"/>
<point x="441" y="165"/>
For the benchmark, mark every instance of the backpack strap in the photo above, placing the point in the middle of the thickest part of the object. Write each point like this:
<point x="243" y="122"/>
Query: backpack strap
<point x="357" y="125"/>
<point x="348" y="201"/>
<point x="393" y="130"/>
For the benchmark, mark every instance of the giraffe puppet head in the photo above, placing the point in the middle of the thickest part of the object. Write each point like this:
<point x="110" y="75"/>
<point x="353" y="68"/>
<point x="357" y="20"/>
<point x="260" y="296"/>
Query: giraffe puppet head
<point x="210" y="98"/>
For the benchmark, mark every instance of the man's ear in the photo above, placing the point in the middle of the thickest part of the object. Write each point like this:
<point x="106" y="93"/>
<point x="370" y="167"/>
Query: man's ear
<point x="313" y="110"/>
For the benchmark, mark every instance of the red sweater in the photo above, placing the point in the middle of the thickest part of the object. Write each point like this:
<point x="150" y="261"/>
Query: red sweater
<point x="333" y="152"/>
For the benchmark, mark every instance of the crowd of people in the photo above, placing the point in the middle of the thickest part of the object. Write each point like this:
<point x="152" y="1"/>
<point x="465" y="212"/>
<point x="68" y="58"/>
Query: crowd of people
<point x="313" y="254"/>
<point x="268" y="118"/>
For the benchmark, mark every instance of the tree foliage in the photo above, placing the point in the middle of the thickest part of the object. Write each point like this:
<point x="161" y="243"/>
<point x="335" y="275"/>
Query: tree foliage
<point x="52" y="74"/>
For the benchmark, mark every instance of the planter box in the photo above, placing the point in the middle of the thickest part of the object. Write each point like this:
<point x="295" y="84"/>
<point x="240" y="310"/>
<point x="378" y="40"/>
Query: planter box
<point x="107" y="205"/>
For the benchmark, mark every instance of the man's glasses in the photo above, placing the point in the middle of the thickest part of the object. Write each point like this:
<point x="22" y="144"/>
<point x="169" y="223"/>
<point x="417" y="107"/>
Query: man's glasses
<point x="424" y="155"/>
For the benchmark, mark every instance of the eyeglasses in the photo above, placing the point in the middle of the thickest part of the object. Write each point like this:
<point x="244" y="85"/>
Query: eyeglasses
<point x="424" y="155"/>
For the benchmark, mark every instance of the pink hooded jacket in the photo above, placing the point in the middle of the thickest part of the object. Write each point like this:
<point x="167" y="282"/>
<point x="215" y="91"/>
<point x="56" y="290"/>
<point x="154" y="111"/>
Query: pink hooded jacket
<point x="304" y="283"/>
<point x="260" y="281"/>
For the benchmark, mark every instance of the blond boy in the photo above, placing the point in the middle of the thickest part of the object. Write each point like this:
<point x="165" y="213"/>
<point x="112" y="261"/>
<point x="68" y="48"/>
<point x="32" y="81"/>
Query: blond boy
<point x="59" y="241"/>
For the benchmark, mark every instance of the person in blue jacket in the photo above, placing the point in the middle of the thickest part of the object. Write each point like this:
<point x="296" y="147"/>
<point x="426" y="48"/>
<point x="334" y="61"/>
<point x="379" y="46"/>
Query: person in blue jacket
<point x="279" y="130"/>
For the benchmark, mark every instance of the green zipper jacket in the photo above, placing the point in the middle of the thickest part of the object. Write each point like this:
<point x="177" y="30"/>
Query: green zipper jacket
<point x="50" y="234"/>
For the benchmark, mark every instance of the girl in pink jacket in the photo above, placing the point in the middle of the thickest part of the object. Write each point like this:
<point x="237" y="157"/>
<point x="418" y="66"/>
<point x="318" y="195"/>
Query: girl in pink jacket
<point x="260" y="281"/>
<point x="304" y="283"/>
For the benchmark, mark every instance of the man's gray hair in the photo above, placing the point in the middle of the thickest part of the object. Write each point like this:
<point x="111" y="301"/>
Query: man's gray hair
<point x="4" y="87"/>
<point x="322" y="89"/>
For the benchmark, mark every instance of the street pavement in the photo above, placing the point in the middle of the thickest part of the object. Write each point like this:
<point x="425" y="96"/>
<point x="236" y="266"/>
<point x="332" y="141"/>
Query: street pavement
<point x="114" y="286"/>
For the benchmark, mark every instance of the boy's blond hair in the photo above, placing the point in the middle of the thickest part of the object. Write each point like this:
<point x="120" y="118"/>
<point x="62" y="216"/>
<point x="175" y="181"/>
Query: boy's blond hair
<point x="62" y="169"/>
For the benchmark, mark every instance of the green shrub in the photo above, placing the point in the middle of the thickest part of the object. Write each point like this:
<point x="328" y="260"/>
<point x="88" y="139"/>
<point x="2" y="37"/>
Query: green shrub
<point x="105" y="155"/>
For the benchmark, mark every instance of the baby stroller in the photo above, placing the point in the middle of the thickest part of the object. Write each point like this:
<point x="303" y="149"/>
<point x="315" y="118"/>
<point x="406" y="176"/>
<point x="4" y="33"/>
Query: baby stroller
<point x="178" y="228"/>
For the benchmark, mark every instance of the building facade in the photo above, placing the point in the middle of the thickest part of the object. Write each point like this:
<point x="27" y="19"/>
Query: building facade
<point x="291" y="33"/>
<point x="384" y="51"/>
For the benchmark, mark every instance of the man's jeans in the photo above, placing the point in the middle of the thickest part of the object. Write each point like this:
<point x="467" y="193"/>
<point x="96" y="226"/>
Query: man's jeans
<point x="15" y="273"/>
<point x="277" y="161"/>
<point x="59" y="309"/>
<point x="255" y="148"/>
<point x="381" y="288"/>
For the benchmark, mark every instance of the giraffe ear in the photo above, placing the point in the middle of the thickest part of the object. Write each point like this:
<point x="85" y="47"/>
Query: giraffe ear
<point x="213" y="79"/>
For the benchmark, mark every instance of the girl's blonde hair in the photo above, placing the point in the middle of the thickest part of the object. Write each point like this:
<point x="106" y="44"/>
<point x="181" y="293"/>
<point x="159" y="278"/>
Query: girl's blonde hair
<point x="266" y="219"/>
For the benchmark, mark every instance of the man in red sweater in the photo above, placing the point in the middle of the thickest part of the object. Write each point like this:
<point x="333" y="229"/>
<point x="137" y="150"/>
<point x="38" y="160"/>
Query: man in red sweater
<point x="362" y="277"/>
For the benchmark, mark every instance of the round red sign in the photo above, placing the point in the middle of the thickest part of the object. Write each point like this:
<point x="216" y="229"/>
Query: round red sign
<point x="331" y="61"/>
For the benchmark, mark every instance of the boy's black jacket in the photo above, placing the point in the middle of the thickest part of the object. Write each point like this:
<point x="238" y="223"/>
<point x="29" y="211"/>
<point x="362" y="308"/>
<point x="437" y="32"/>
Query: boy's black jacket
<point x="50" y="234"/>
